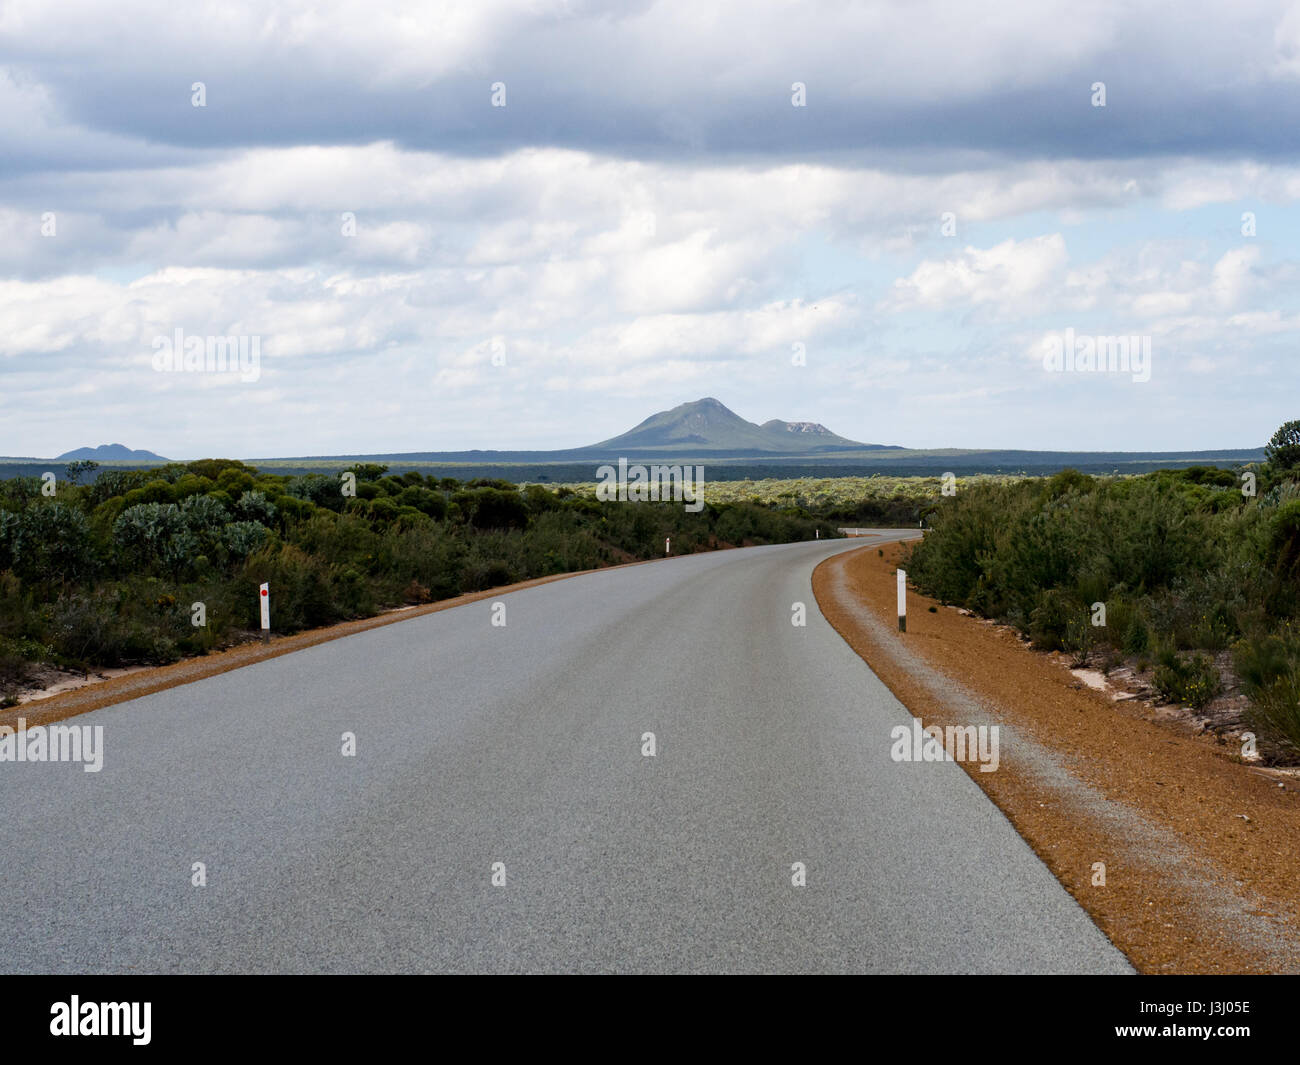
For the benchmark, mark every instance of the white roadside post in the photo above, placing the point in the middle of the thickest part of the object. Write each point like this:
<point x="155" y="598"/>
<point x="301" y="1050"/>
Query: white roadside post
<point x="265" y="591"/>
<point x="902" y="600"/>
<point x="667" y="545"/>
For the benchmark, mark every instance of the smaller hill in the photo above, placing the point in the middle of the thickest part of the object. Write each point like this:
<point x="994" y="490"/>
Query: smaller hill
<point x="109" y="453"/>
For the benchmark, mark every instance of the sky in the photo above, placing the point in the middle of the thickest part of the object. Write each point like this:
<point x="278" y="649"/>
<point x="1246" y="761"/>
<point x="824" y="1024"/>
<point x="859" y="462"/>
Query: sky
<point x="519" y="225"/>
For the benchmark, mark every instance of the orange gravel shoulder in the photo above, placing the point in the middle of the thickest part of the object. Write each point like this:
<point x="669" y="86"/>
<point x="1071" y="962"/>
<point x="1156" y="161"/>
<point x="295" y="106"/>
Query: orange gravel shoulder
<point x="1186" y="857"/>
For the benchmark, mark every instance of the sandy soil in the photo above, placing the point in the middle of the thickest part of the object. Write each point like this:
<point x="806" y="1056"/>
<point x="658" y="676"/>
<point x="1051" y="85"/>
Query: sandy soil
<point x="1201" y="850"/>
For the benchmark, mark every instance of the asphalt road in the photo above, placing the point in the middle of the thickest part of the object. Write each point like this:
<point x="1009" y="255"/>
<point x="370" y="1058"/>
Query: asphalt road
<point x="522" y="745"/>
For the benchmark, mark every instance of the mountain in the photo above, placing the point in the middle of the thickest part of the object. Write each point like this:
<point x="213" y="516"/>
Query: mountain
<point x="813" y="428"/>
<point x="707" y="432"/>
<point x="110" y="453"/>
<point x="707" y="425"/>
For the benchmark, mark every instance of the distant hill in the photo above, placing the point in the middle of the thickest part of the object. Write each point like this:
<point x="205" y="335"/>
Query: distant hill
<point x="110" y="453"/>
<point x="707" y="425"/>
<point x="698" y="431"/>
<point x="706" y="431"/>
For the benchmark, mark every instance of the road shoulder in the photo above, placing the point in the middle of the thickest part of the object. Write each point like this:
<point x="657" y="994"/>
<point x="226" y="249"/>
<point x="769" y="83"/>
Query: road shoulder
<point x="1199" y="850"/>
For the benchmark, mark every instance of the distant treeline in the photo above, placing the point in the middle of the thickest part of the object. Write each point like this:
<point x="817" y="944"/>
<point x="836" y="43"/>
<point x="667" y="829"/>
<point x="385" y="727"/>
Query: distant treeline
<point x="884" y="463"/>
<point x="1186" y="571"/>
<point x="109" y="572"/>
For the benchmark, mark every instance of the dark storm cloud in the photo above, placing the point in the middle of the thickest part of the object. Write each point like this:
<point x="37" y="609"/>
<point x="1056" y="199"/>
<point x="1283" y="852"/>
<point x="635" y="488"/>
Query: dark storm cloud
<point x="896" y="83"/>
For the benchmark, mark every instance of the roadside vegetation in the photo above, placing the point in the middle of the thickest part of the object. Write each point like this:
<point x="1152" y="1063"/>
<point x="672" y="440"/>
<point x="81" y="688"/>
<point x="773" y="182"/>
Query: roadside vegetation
<point x="1190" y="575"/>
<point x="109" y="572"/>
<point x="876" y="500"/>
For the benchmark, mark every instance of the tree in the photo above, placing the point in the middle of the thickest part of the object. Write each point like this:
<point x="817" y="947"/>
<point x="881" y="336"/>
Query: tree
<point x="242" y="538"/>
<point x="495" y="508"/>
<point x="1283" y="450"/>
<point x="154" y="533"/>
<point x="77" y="470"/>
<point x="318" y="488"/>
<point x="254" y="506"/>
<point x="53" y="543"/>
<point x="369" y="471"/>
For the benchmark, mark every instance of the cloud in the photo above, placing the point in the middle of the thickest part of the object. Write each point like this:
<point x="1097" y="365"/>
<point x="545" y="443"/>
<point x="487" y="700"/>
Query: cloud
<point x="650" y="80"/>
<point x="647" y="219"/>
<point x="1003" y="276"/>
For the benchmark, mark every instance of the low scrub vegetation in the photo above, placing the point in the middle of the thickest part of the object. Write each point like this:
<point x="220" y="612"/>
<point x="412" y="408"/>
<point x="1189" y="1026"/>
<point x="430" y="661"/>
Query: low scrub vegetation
<point x="1182" y="568"/>
<point x="109" y="573"/>
<point x="876" y="500"/>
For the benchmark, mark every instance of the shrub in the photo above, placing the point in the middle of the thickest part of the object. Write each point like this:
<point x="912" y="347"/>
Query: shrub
<point x="154" y="534"/>
<point x="205" y="517"/>
<point x="382" y="509"/>
<point x="111" y="483"/>
<point x="155" y="491"/>
<point x="52" y="543"/>
<point x="191" y="485"/>
<point x="481" y="574"/>
<point x="1286" y="536"/>
<point x="1137" y="639"/>
<point x="949" y="563"/>
<point x="317" y="488"/>
<point x="433" y="504"/>
<point x="426" y="554"/>
<point x="254" y="506"/>
<point x="242" y="538"/>
<point x="301" y="589"/>
<point x="212" y="469"/>
<point x="11" y="523"/>
<point x="1269" y="669"/>
<point x="1079" y="637"/>
<point x="1050" y="621"/>
<point x="1193" y="681"/>
<point x="498" y="508"/>
<point x="235" y="481"/>
<point x="1283" y="451"/>
<point x="17" y="660"/>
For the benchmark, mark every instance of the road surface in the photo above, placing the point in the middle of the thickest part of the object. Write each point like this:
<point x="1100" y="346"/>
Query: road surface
<point x="522" y="745"/>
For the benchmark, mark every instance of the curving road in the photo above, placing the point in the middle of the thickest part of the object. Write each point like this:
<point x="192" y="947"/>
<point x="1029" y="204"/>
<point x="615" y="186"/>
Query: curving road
<point x="522" y="745"/>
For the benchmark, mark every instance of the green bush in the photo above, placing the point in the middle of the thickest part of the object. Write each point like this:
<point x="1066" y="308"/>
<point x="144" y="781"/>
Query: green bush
<point x="254" y="506"/>
<point x="1137" y="638"/>
<point x="497" y="508"/>
<point x="302" y="589"/>
<point x="1192" y="681"/>
<point x="242" y="538"/>
<point x="154" y="535"/>
<point x="434" y="504"/>
<point x="107" y="574"/>
<point x="155" y="491"/>
<point x="18" y="657"/>
<point x="1051" y="620"/>
<point x="1269" y="669"/>
<point x="481" y="574"/>
<point x="319" y="489"/>
<point x="1283" y="451"/>
<point x="1286" y="536"/>
<point x="50" y="542"/>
